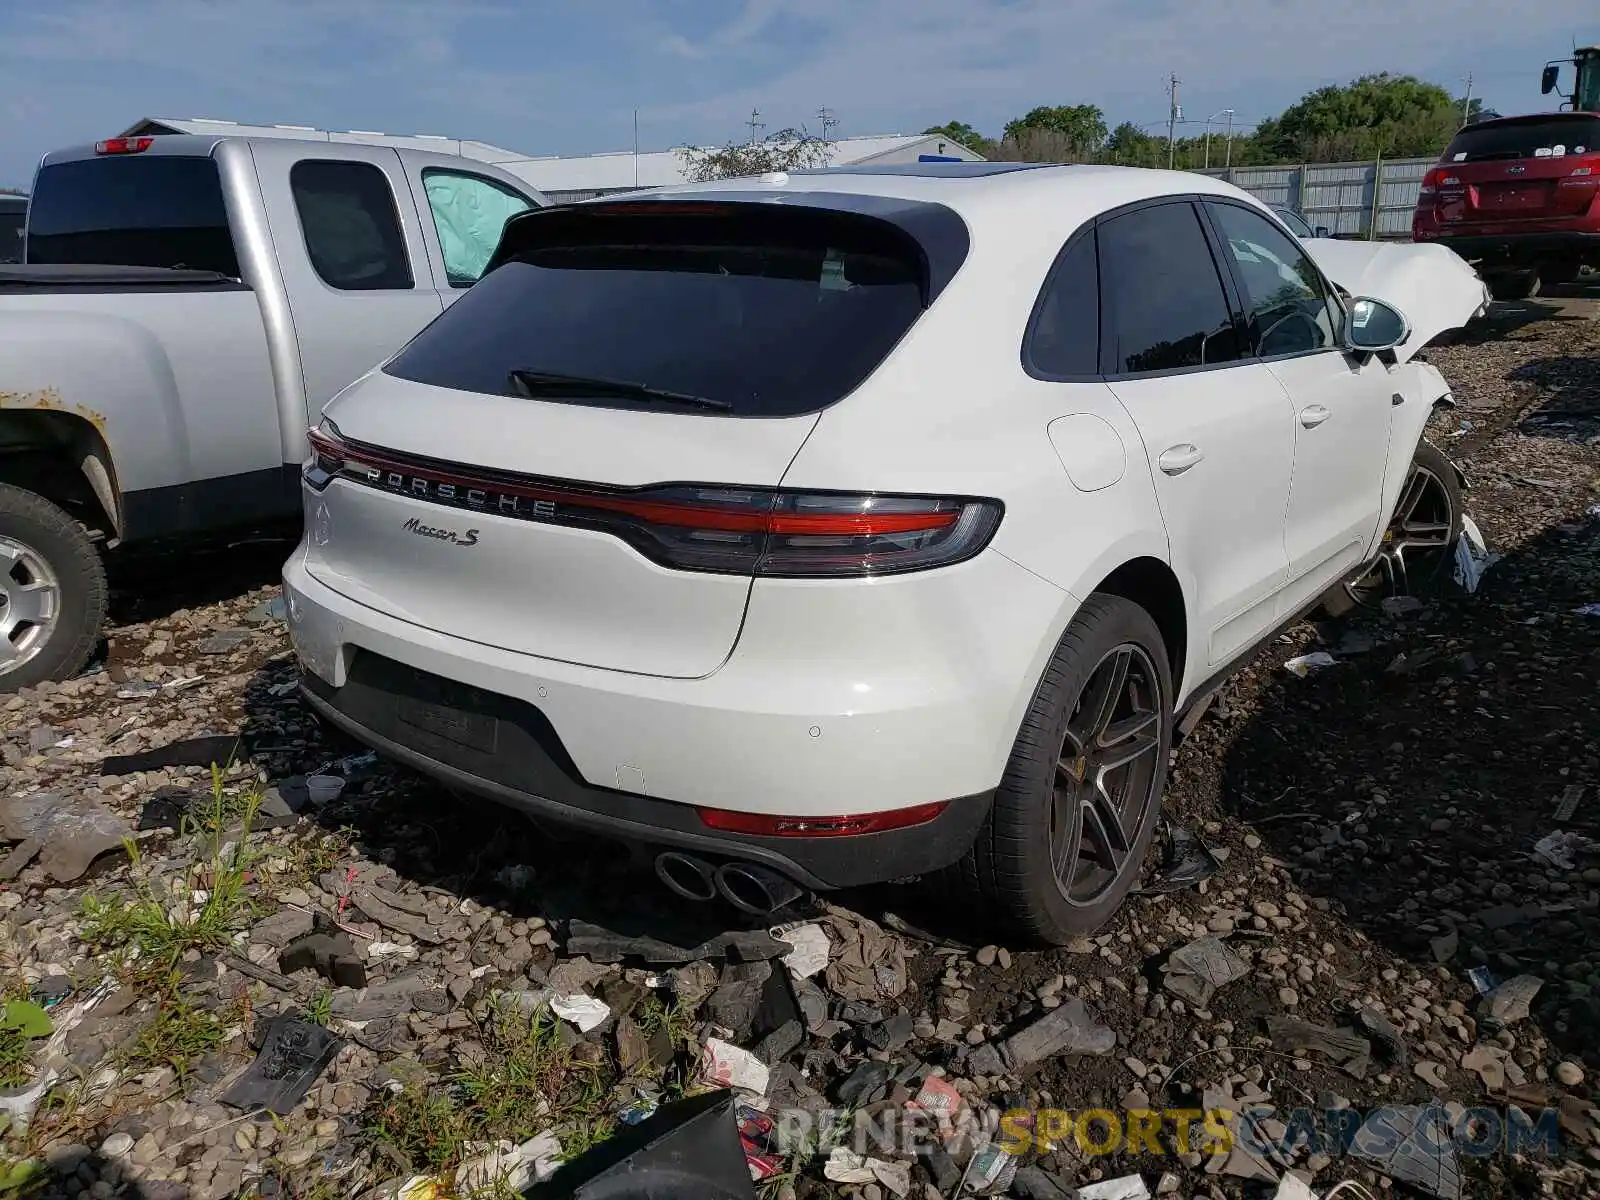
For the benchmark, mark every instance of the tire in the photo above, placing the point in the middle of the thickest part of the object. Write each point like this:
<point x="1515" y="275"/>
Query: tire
<point x="47" y="558"/>
<point x="1010" y="870"/>
<point x="1514" y="285"/>
<point x="1423" y="569"/>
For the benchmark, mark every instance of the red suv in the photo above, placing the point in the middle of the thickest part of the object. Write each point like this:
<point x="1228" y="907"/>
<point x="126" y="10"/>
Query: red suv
<point x="1519" y="198"/>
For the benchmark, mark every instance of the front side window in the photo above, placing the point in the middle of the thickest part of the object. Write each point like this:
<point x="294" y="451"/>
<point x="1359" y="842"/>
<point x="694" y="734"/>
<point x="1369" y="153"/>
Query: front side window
<point x="1289" y="310"/>
<point x="351" y="226"/>
<point x="469" y="212"/>
<point x="1161" y="296"/>
<point x="1292" y="219"/>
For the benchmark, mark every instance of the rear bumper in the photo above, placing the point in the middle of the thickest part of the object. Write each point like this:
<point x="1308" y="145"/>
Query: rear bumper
<point x="1524" y="249"/>
<point x="525" y="768"/>
<point x="896" y="694"/>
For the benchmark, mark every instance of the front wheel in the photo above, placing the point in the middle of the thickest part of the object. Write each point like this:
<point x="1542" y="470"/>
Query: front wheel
<point x="52" y="591"/>
<point x="1075" y="812"/>
<point x="1415" y="555"/>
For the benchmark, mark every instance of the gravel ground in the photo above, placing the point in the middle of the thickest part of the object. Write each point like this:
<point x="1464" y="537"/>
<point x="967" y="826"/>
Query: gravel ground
<point x="1376" y="822"/>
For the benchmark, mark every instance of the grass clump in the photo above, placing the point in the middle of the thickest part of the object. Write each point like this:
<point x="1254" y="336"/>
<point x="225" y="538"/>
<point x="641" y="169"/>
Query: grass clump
<point x="203" y="908"/>
<point x="178" y="1035"/>
<point x="527" y="1080"/>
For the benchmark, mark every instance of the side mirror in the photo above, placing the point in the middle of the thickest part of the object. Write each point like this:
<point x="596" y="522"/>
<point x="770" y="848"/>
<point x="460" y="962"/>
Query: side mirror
<point x="1547" y="81"/>
<point x="1372" y="326"/>
<point x="1322" y="231"/>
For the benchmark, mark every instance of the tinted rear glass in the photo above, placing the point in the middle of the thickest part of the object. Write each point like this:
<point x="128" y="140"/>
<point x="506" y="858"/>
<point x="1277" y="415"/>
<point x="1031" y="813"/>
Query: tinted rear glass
<point x="1533" y="139"/>
<point x="773" y="311"/>
<point x="134" y="211"/>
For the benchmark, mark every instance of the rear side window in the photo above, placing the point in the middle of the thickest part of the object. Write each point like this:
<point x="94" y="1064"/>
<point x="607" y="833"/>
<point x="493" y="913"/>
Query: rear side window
<point x="1164" y="306"/>
<point x="469" y="212"/>
<point x="13" y="220"/>
<point x="144" y="210"/>
<point x="351" y="226"/>
<point x="766" y="311"/>
<point x="1065" y="338"/>
<point x="1551" y="138"/>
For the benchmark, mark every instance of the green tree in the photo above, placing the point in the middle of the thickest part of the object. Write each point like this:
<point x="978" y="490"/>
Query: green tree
<point x="1391" y="115"/>
<point x="786" y="150"/>
<point x="1084" y="125"/>
<point x="966" y="135"/>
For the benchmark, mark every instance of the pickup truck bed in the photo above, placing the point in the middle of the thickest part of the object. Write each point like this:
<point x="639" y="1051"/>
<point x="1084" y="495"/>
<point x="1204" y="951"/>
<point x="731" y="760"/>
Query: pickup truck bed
<point x="187" y="307"/>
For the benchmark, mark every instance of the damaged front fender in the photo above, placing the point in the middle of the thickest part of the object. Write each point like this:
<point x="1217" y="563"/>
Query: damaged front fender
<point x="1432" y="286"/>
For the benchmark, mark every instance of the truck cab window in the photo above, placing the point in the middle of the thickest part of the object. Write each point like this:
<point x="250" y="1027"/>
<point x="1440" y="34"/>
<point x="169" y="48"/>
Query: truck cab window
<point x="147" y="210"/>
<point x="469" y="212"/>
<point x="351" y="226"/>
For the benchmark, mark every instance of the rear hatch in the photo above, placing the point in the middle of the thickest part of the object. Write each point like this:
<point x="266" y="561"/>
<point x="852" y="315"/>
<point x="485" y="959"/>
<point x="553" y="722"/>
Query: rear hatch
<point x="1519" y="171"/>
<point x="579" y="459"/>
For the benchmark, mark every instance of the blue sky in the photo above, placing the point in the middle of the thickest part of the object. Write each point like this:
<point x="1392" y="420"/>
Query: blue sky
<point x="564" y="76"/>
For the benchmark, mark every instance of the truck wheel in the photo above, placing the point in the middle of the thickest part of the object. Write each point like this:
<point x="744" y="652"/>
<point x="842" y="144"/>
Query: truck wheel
<point x="1076" y="809"/>
<point x="52" y="591"/>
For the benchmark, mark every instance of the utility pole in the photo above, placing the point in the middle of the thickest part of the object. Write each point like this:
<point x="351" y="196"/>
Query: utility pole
<point x="1173" y="114"/>
<point x="636" y="147"/>
<point x="1210" y="119"/>
<point x="828" y="120"/>
<point x="755" y="123"/>
<point x="1227" y="162"/>
<point x="1466" y="105"/>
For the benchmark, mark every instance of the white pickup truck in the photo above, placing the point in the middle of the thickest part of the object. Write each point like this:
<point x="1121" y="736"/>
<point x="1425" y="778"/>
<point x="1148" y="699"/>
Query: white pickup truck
<point x="185" y="307"/>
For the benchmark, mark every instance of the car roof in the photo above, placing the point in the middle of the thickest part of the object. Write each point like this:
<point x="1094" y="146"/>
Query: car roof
<point x="1015" y="200"/>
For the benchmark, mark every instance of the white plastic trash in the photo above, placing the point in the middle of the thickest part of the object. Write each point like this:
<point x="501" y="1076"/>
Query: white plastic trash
<point x="323" y="789"/>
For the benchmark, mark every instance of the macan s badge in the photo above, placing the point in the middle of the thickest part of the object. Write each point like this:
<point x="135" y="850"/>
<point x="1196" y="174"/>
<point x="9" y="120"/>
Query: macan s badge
<point x="469" y="538"/>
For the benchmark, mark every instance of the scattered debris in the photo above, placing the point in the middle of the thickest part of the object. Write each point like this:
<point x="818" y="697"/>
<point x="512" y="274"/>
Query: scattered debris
<point x="293" y="1053"/>
<point x="811" y="948"/>
<point x="1472" y="556"/>
<point x="601" y="945"/>
<point x="1387" y="1035"/>
<point x="846" y="1166"/>
<point x="585" y="1012"/>
<point x="209" y="751"/>
<point x="1197" y="970"/>
<point x="1412" y="1143"/>
<point x="1568" y="803"/>
<point x="70" y="832"/>
<point x="1557" y="849"/>
<point x="1349" y="1051"/>
<point x="1186" y="861"/>
<point x="688" y="1148"/>
<point x="1129" y="1187"/>
<point x="1512" y="1000"/>
<point x="323" y="790"/>
<point x="870" y="964"/>
<point x="329" y="952"/>
<point x="725" y="1065"/>
<point x="513" y="1167"/>
<point x="1305" y="664"/>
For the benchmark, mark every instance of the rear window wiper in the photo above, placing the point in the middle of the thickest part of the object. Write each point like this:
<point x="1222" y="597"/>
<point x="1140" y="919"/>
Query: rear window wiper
<point x="533" y="384"/>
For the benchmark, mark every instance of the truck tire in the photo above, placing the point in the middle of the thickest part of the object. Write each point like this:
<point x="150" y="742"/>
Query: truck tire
<point x="52" y="591"/>
<point x="1513" y="285"/>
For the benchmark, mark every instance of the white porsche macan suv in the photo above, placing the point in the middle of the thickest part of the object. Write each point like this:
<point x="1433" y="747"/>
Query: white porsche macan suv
<point x="831" y="527"/>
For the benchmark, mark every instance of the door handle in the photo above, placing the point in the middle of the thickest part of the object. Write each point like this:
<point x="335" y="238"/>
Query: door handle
<point x="1313" y="415"/>
<point x="1175" y="460"/>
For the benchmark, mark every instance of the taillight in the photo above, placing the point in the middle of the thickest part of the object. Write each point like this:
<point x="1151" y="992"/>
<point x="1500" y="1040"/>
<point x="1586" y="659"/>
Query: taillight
<point x="694" y="527"/>
<point x="1437" y="178"/>
<point x="326" y="460"/>
<point x="765" y="825"/>
<point x="124" y="145"/>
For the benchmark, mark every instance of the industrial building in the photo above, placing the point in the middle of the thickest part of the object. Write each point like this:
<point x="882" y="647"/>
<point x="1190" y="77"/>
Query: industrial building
<point x="567" y="179"/>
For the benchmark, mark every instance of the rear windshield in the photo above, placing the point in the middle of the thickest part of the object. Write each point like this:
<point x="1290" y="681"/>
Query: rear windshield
<point x="769" y="312"/>
<point x="1530" y="139"/>
<point x="133" y="211"/>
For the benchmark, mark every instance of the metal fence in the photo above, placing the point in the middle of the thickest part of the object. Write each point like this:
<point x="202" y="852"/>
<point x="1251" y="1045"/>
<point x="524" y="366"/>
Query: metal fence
<point x="1363" y="199"/>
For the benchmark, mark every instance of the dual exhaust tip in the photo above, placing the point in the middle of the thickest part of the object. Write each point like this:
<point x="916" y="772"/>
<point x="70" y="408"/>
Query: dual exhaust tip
<point x="750" y="888"/>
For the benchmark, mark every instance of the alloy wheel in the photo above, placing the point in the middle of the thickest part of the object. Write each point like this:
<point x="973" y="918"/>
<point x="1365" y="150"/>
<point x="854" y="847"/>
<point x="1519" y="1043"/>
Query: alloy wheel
<point x="1106" y="775"/>
<point x="30" y="602"/>
<point x="1423" y="526"/>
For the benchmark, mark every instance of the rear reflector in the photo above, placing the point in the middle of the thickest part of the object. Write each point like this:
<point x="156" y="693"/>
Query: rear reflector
<point x="124" y="145"/>
<point x="766" y="825"/>
<point x="692" y="527"/>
